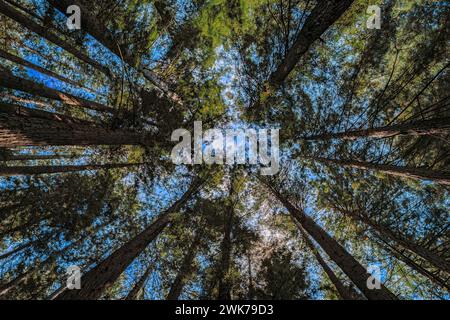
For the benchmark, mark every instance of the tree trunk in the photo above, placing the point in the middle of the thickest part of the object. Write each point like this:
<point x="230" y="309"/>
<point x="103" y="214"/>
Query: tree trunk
<point x="8" y="80"/>
<point x="444" y="283"/>
<point x="180" y="279"/>
<point x="134" y="293"/>
<point x="348" y="264"/>
<point x="34" y="157"/>
<point x="25" y="63"/>
<point x="440" y="177"/>
<point x="319" y="20"/>
<point x="5" y="288"/>
<point x="224" y="292"/>
<point x="103" y="276"/>
<point x="34" y="170"/>
<point x="344" y="292"/>
<point x="21" y="126"/>
<point x="101" y="33"/>
<point x="387" y="233"/>
<point x="28" y="23"/>
<point x="416" y="128"/>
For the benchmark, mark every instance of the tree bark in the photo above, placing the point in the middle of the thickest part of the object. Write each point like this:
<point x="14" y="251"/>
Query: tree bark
<point x="344" y="292"/>
<point x="21" y="126"/>
<point x="348" y="264"/>
<point x="134" y="293"/>
<point x="103" y="276"/>
<point x="180" y="279"/>
<point x="324" y="14"/>
<point x="440" y="177"/>
<point x="35" y="170"/>
<point x="28" y="23"/>
<point x="8" y="80"/>
<point x="417" y="128"/>
<point x="101" y="33"/>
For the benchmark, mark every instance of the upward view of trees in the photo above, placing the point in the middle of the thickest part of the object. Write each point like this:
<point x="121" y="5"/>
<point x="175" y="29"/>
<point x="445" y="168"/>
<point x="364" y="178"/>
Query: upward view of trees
<point x="87" y="179"/>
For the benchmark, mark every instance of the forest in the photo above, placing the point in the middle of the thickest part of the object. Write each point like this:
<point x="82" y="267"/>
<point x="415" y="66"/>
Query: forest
<point x="93" y="207"/>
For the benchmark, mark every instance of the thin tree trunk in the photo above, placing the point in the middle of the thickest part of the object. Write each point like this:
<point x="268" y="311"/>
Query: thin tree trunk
<point x="387" y="233"/>
<point x="224" y="292"/>
<point x="101" y="33"/>
<point x="33" y="157"/>
<point x="42" y="31"/>
<point x="251" y="287"/>
<point x="319" y="20"/>
<point x="21" y="126"/>
<point x="180" y="279"/>
<point x="440" y="177"/>
<point x="344" y="292"/>
<point x="348" y="264"/>
<point x="5" y="288"/>
<point x="137" y="288"/>
<point x="415" y="266"/>
<point x="417" y="128"/>
<point x="8" y="80"/>
<point x="103" y="276"/>
<point x="35" y="170"/>
<point x="25" y="63"/>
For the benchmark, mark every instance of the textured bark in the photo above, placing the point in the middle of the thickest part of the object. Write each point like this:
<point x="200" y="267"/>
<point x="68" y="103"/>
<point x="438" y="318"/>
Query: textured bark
<point x="417" y="128"/>
<point x="8" y="80"/>
<point x="440" y="177"/>
<point x="348" y="264"/>
<point x="21" y="126"/>
<point x="388" y="234"/>
<point x="101" y="33"/>
<point x="42" y="31"/>
<point x="186" y="268"/>
<point x="137" y="288"/>
<point x="103" y="276"/>
<point x="344" y="292"/>
<point x="320" y="19"/>
<point x="35" y="170"/>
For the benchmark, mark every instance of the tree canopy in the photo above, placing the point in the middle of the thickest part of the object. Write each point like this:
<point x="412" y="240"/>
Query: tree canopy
<point x="87" y="118"/>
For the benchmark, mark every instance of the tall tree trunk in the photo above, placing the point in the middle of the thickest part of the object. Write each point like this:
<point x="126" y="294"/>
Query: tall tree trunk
<point x="388" y="234"/>
<point x="137" y="288"/>
<point x="224" y="287"/>
<point x="8" y="80"/>
<point x="186" y="267"/>
<point x="5" y="288"/>
<point x="440" y="177"/>
<point x="344" y="292"/>
<point x="348" y="264"/>
<point x="21" y="126"/>
<point x="34" y="170"/>
<point x="251" y="287"/>
<point x="34" y="157"/>
<point x="42" y="31"/>
<point x="103" y="276"/>
<point x="444" y="283"/>
<point x="319" y="20"/>
<point x="416" y="128"/>
<point x="6" y="55"/>
<point x="101" y="33"/>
